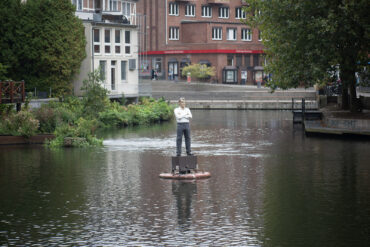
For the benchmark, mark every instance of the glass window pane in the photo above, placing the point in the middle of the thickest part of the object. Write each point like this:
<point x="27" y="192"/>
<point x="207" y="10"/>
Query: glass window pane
<point x="102" y="65"/>
<point x="96" y="35"/>
<point x="127" y="37"/>
<point x="107" y="36"/>
<point x="118" y="36"/>
<point x="123" y="70"/>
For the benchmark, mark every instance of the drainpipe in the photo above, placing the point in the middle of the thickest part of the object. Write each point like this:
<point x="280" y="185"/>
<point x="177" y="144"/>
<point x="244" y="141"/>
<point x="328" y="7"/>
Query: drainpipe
<point x="166" y="23"/>
<point x="92" y="45"/>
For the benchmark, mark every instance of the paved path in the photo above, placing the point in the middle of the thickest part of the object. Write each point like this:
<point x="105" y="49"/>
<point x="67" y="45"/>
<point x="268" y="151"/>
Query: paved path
<point x="205" y="91"/>
<point x="222" y="96"/>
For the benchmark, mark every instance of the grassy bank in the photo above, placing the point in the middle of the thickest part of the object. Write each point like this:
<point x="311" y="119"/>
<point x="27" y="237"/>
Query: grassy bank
<point x="78" y="119"/>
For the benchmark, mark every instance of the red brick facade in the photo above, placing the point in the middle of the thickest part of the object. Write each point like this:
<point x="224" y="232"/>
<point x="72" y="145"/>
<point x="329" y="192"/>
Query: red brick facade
<point x="195" y="42"/>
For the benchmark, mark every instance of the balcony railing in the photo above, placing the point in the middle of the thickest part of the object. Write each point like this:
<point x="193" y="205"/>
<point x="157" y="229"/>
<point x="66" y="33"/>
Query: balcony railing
<point x="218" y="1"/>
<point x="118" y="13"/>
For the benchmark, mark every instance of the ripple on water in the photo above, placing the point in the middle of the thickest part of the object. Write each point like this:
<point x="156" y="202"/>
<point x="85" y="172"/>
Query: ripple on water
<point x="206" y="143"/>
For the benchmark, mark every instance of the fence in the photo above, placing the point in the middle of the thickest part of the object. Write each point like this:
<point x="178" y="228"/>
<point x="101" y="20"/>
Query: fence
<point x="12" y="92"/>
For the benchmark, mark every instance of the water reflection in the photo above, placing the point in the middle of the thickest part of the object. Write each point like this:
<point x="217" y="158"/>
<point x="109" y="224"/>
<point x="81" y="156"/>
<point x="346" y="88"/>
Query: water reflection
<point x="270" y="186"/>
<point x="183" y="192"/>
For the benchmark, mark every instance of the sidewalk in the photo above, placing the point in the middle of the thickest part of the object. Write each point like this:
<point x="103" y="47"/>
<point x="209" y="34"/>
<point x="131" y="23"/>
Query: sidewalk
<point x="202" y="95"/>
<point x="167" y="85"/>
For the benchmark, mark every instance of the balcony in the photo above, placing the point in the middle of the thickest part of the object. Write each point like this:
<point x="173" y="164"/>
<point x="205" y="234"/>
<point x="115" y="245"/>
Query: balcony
<point x="218" y="1"/>
<point x="243" y="3"/>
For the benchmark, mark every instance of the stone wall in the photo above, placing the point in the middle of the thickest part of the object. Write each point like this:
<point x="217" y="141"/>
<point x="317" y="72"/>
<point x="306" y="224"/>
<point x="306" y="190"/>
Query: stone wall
<point x="365" y="102"/>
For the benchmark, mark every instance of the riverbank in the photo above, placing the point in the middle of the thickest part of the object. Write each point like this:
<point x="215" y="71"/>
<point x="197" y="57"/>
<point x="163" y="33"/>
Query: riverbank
<point x="74" y="121"/>
<point x="340" y="123"/>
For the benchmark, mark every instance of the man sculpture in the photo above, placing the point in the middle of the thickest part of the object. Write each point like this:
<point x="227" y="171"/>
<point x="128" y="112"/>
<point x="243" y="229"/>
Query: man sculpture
<point x="183" y="115"/>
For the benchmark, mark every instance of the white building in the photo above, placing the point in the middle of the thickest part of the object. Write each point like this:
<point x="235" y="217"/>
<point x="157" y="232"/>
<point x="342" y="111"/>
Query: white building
<point x="112" y="44"/>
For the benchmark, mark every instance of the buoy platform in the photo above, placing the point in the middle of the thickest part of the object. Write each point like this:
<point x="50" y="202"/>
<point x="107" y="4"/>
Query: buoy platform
<point x="196" y="175"/>
<point x="185" y="167"/>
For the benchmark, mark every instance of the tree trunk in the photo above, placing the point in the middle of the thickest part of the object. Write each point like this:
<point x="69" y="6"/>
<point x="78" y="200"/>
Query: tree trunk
<point x="355" y="103"/>
<point x="345" y="101"/>
<point x="349" y="79"/>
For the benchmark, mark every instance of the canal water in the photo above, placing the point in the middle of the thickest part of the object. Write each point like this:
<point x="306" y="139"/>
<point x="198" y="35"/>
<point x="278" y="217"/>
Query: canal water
<point x="270" y="186"/>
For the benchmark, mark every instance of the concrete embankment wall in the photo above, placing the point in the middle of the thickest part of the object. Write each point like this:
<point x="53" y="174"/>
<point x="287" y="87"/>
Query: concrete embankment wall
<point x="248" y="104"/>
<point x="365" y="102"/>
<point x="352" y="124"/>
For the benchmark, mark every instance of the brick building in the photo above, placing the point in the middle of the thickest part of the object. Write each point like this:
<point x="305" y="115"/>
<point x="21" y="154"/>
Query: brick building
<point x="178" y="32"/>
<point x="111" y="33"/>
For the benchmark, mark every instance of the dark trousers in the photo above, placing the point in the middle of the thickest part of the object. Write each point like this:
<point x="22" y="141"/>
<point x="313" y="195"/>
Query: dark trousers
<point x="183" y="129"/>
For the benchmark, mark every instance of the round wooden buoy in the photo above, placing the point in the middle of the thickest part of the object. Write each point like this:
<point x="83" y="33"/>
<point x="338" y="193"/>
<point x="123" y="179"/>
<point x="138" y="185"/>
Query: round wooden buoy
<point x="197" y="175"/>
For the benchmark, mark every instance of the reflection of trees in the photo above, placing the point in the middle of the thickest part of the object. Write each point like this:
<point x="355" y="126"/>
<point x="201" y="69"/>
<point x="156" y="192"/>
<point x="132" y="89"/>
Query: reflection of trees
<point x="314" y="197"/>
<point x="183" y="192"/>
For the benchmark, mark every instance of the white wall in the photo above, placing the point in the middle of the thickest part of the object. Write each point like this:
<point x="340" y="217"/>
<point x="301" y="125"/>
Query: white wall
<point x="129" y="87"/>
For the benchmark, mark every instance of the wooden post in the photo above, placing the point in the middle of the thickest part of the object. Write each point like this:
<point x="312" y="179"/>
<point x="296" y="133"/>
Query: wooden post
<point x="303" y="109"/>
<point x="23" y="92"/>
<point x="1" y="91"/>
<point x="11" y="91"/>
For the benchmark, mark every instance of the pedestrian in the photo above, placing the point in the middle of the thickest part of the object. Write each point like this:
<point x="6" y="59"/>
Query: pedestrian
<point x="153" y="74"/>
<point x="170" y="74"/>
<point x="183" y="116"/>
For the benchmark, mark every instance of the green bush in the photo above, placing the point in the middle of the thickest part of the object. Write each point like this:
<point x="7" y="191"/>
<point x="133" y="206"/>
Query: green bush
<point x="47" y="118"/>
<point x="199" y="71"/>
<point x="95" y="98"/>
<point x="69" y="119"/>
<point x="114" y="118"/>
<point x="21" y="123"/>
<point x="82" y="132"/>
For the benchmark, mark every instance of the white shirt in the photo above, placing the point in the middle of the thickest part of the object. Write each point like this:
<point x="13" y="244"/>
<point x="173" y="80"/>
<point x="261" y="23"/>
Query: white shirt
<point x="182" y="115"/>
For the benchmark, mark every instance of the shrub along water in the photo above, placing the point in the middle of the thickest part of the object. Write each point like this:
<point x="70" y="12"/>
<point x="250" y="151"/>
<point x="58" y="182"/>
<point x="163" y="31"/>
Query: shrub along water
<point x="77" y="119"/>
<point x="69" y="119"/>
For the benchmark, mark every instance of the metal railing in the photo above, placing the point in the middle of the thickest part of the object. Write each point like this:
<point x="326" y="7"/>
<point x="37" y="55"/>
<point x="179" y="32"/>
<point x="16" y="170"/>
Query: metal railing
<point x="12" y="92"/>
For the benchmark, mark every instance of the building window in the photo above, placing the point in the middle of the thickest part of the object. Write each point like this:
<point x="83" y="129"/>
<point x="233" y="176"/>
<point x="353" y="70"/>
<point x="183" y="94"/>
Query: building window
<point x="240" y="13"/>
<point x="127" y="42"/>
<point x="230" y="60"/>
<point x="96" y="41"/>
<point x="113" y="5"/>
<point x="238" y="60"/>
<point x="113" y="75"/>
<point x="256" y="60"/>
<point x="206" y="11"/>
<point x="189" y="10"/>
<point x="123" y="70"/>
<point x="174" y="9"/>
<point x="247" y="60"/>
<point x="231" y="34"/>
<point x="174" y="33"/>
<point x="223" y="12"/>
<point x="259" y="35"/>
<point x="126" y="9"/>
<point x="117" y="40"/>
<point x="246" y="35"/>
<point x="107" y="41"/>
<point x="217" y="33"/>
<point x="78" y="4"/>
<point x="103" y="67"/>
<point x="157" y="64"/>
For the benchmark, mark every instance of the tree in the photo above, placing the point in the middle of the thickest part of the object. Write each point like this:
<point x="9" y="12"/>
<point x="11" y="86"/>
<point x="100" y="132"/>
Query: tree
<point x="9" y="17"/>
<point x="199" y="71"/>
<point x="46" y="44"/>
<point x="306" y="40"/>
<point x="95" y="98"/>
